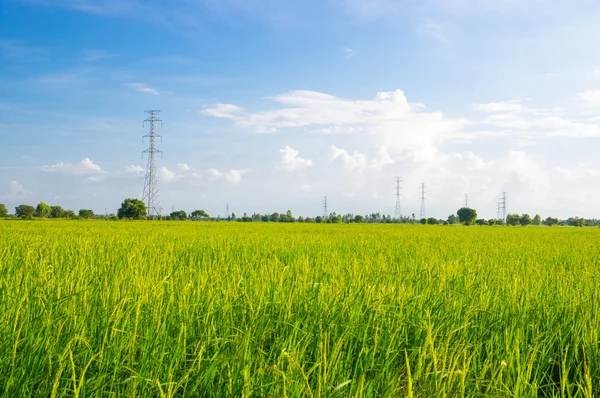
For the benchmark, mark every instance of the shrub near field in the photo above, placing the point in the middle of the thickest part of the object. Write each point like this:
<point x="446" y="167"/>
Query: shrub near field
<point x="228" y="309"/>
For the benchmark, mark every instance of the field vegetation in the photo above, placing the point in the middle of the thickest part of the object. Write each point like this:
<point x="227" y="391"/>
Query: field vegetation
<point x="126" y="309"/>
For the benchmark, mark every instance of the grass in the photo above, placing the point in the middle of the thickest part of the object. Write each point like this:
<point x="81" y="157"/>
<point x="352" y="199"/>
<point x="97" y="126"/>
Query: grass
<point x="289" y="310"/>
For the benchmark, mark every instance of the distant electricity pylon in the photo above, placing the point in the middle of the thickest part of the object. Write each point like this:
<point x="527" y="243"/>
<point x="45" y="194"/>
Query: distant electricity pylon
<point x="398" y="211"/>
<point x="466" y="200"/>
<point x="227" y="210"/>
<point x="502" y="206"/>
<point x="422" y="214"/>
<point x="325" y="213"/>
<point x="150" y="196"/>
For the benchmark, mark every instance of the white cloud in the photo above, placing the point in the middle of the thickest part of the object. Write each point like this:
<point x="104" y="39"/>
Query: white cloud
<point x="232" y="176"/>
<point x="290" y="160"/>
<point x="135" y="169"/>
<point x="16" y="191"/>
<point x="86" y="167"/>
<point x="383" y="158"/>
<point x="183" y="167"/>
<point x="356" y="161"/>
<point x="590" y="98"/>
<point x="389" y="118"/>
<point x="500" y="107"/>
<point x="166" y="175"/>
<point x="143" y="88"/>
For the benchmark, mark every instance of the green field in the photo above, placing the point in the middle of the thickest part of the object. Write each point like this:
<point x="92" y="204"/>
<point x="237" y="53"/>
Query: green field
<point x="146" y="309"/>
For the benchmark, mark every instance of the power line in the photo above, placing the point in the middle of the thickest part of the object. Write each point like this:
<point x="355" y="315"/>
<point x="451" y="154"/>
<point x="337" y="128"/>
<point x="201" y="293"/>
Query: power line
<point x="422" y="214"/>
<point x="150" y="196"/>
<point x="398" y="211"/>
<point x="325" y="213"/>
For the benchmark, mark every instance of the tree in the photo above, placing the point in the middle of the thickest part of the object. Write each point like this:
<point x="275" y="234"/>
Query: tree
<point x="178" y="215"/>
<point x="423" y="221"/>
<point x="550" y="221"/>
<point x="86" y="213"/>
<point x="57" y="212"/>
<point x="3" y="210"/>
<point x="452" y="219"/>
<point x="288" y="216"/>
<point x="24" y="211"/>
<point x="359" y="219"/>
<point x="198" y="214"/>
<point x="433" y="221"/>
<point x="69" y="214"/>
<point x="467" y="216"/>
<point x="319" y="219"/>
<point x="132" y="209"/>
<point x="537" y="220"/>
<point x="481" y="222"/>
<point x="513" y="219"/>
<point x="43" y="210"/>
<point x="525" y="220"/>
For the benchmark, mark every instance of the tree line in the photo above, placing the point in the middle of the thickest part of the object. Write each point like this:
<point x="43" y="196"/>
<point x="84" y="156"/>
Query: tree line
<point x="135" y="209"/>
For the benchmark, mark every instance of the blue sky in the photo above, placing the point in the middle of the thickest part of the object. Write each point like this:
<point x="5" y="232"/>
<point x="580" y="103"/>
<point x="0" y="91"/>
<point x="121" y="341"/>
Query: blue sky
<point x="271" y="105"/>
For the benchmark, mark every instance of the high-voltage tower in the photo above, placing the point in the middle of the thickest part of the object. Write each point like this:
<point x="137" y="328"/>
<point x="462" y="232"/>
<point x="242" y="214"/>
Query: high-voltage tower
<point x="398" y="187"/>
<point x="325" y="213"/>
<point x="422" y="214"/>
<point x="502" y="206"/>
<point x="150" y="197"/>
<point x="466" y="200"/>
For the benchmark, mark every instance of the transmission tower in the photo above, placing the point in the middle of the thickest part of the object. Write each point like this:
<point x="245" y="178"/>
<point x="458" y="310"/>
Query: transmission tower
<point x="150" y="196"/>
<point x="325" y="213"/>
<point x="466" y="200"/>
<point x="503" y="206"/>
<point x="227" y="210"/>
<point x="398" y="187"/>
<point x="422" y="214"/>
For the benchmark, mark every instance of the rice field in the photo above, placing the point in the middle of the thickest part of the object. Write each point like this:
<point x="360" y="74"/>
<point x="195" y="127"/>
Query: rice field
<point x="165" y="309"/>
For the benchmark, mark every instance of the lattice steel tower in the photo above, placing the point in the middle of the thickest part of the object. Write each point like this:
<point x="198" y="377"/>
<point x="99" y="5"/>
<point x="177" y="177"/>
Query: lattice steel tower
<point x="150" y="197"/>
<point x="325" y="213"/>
<point x="422" y="214"/>
<point x="398" y="187"/>
<point x="503" y="206"/>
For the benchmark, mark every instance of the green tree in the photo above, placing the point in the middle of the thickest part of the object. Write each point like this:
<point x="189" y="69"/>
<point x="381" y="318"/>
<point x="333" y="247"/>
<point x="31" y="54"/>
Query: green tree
<point x="132" y="209"/>
<point x="86" y="213"/>
<point x="3" y="210"/>
<point x="452" y="219"/>
<point x="525" y="220"/>
<point x="513" y="219"/>
<point x="433" y="221"/>
<point x="423" y="221"/>
<point x="537" y="220"/>
<point x="57" y="212"/>
<point x="178" y="215"/>
<point x="43" y="210"/>
<point x="199" y="214"/>
<point x="359" y="219"/>
<point x="24" y="211"/>
<point x="550" y="221"/>
<point x="467" y="216"/>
